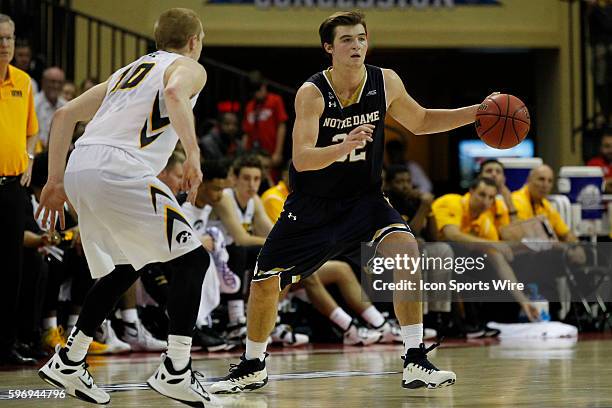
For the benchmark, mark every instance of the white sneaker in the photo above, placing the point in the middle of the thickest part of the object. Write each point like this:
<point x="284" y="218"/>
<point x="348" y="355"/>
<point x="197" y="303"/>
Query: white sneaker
<point x="391" y="332"/>
<point x="182" y="385"/>
<point x="419" y="372"/>
<point x="360" y="336"/>
<point x="106" y="335"/>
<point x="283" y="333"/>
<point x="62" y="373"/>
<point x="248" y="375"/>
<point x="140" y="339"/>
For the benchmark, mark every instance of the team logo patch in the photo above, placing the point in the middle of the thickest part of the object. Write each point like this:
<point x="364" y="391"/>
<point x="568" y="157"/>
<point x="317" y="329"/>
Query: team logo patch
<point x="16" y="93"/>
<point x="371" y="93"/>
<point x="182" y="237"/>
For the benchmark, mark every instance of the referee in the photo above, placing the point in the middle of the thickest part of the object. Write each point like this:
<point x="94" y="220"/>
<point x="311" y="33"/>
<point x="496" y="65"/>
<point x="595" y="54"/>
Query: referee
<point x="18" y="127"/>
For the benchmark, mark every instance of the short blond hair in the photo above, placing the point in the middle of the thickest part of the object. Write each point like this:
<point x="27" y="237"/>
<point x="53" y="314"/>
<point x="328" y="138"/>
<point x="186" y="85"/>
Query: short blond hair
<point x="174" y="27"/>
<point x="6" y="19"/>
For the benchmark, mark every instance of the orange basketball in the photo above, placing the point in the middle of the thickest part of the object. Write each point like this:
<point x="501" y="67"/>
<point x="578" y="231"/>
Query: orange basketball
<point x="502" y="121"/>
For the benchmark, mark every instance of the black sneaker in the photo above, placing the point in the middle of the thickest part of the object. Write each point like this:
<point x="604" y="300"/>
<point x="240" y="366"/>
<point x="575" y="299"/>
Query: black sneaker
<point x="419" y="372"/>
<point x="249" y="375"/>
<point x="208" y="339"/>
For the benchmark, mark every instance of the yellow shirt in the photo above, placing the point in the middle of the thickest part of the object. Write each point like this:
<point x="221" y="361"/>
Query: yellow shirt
<point x="273" y="200"/>
<point x="526" y="209"/>
<point x="17" y="121"/>
<point x="500" y="213"/>
<point x="453" y="209"/>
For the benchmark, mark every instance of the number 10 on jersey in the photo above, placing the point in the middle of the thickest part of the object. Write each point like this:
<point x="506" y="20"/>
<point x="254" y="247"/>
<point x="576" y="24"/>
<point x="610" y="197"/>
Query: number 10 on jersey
<point x="354" y="155"/>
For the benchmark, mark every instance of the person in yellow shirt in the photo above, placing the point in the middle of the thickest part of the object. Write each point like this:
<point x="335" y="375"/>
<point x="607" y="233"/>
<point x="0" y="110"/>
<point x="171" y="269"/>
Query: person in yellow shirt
<point x="530" y="201"/>
<point x="503" y="208"/>
<point x="468" y="219"/>
<point x="18" y="129"/>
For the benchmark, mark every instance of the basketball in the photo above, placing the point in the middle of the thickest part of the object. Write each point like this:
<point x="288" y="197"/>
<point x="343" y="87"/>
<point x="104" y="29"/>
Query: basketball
<point x="502" y="121"/>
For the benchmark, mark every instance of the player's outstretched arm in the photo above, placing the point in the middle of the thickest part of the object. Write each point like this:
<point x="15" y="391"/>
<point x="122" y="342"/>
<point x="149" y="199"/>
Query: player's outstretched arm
<point x="419" y="120"/>
<point x="183" y="79"/>
<point x="309" y="106"/>
<point x="83" y="108"/>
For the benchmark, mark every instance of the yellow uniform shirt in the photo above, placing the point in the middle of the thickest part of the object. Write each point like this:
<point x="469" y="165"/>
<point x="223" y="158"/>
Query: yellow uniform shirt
<point x="17" y="121"/>
<point x="500" y="213"/>
<point x="273" y="200"/>
<point x="526" y="208"/>
<point x="453" y="209"/>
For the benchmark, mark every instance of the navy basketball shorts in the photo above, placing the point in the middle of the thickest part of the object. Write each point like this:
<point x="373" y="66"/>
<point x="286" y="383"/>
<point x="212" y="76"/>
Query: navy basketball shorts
<point x="312" y="230"/>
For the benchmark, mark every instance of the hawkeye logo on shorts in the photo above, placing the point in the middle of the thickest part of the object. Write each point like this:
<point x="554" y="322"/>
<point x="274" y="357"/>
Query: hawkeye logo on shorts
<point x="183" y="237"/>
<point x="171" y="215"/>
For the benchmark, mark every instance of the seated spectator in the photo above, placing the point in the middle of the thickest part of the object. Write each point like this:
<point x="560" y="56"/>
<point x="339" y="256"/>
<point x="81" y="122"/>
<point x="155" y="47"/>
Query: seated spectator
<point x="48" y="101"/>
<point x="467" y="219"/>
<point x="530" y="201"/>
<point x="264" y="121"/>
<point x="224" y="141"/>
<point x="503" y="208"/>
<point x="69" y="91"/>
<point x="396" y="153"/>
<point x="604" y="160"/>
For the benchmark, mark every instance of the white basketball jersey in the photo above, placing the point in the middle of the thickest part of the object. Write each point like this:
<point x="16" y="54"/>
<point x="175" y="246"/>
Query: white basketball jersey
<point x="244" y="217"/>
<point x="197" y="217"/>
<point x="133" y="115"/>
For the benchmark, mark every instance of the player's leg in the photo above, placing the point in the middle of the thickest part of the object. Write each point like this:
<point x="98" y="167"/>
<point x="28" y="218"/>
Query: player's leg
<point x="250" y="373"/>
<point x="418" y="371"/>
<point x="174" y="377"/>
<point x="67" y="368"/>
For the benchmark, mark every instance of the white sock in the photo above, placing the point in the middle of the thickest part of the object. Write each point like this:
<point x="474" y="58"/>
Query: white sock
<point x="373" y="316"/>
<point x="129" y="315"/>
<point x="235" y="310"/>
<point x="179" y="351"/>
<point x="412" y="336"/>
<point x="49" y="322"/>
<point x="341" y="318"/>
<point x="255" y="350"/>
<point x="77" y="345"/>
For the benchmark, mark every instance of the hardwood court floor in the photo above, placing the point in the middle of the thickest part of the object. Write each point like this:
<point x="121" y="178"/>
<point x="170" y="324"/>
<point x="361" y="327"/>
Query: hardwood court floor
<point x="552" y="373"/>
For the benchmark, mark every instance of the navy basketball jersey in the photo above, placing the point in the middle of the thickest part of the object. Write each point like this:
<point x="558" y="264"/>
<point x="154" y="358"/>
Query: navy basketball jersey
<point x="359" y="172"/>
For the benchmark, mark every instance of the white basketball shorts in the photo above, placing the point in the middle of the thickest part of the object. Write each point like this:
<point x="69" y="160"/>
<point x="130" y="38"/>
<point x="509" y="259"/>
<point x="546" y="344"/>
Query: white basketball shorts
<point x="126" y="214"/>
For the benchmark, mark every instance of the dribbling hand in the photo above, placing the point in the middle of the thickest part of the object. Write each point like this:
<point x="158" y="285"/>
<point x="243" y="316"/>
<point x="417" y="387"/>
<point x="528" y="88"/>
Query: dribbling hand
<point x="51" y="205"/>
<point x="358" y="137"/>
<point x="192" y="177"/>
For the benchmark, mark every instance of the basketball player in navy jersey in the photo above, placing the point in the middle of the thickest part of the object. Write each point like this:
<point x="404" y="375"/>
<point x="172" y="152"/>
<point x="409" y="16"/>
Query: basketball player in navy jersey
<point x="337" y="202"/>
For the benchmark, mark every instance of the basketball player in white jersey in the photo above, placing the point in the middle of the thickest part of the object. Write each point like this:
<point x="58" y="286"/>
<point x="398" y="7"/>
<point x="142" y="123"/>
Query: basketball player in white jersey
<point x="128" y="217"/>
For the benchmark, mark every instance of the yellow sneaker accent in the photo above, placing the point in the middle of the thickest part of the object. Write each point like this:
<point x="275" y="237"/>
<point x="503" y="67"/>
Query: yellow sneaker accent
<point x="52" y="337"/>
<point x="97" y="348"/>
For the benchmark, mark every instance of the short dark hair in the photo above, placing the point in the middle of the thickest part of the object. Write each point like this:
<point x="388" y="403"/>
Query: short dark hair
<point x="215" y="169"/>
<point x="393" y="170"/>
<point x="478" y="180"/>
<point x="488" y="161"/>
<point x="327" y="29"/>
<point x="246" y="160"/>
